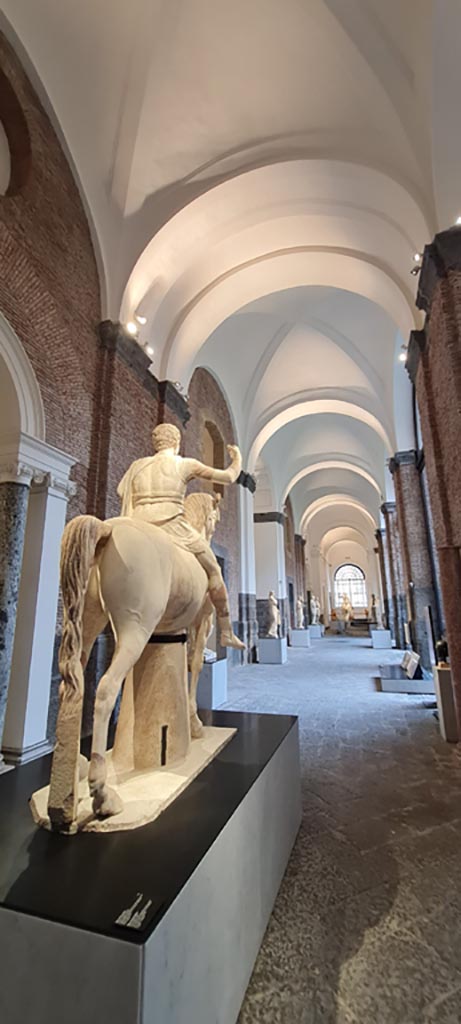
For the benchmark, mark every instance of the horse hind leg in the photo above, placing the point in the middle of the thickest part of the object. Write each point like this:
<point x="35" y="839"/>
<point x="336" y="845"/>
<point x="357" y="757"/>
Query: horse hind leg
<point x="131" y="642"/>
<point x="95" y="619"/>
<point x="202" y="633"/>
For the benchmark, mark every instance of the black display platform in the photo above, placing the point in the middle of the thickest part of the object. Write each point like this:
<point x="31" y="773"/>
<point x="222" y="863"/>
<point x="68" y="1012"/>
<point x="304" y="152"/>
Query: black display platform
<point x="87" y="880"/>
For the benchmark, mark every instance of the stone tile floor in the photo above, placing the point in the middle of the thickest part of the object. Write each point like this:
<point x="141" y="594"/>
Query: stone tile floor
<point x="366" y="928"/>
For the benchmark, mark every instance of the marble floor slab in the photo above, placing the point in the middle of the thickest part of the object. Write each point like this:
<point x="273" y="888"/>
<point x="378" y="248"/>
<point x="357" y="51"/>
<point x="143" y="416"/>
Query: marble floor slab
<point x="366" y="927"/>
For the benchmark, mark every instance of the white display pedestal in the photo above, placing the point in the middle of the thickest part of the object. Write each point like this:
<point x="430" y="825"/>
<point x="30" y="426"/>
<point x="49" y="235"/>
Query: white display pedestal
<point x="273" y="650"/>
<point x="212" y="684"/>
<point x="445" y="703"/>
<point x="316" y="631"/>
<point x="207" y="872"/>
<point x="300" y="638"/>
<point x="381" y="638"/>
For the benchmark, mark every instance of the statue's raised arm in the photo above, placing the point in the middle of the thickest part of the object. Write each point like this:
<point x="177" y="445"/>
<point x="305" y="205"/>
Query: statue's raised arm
<point x="199" y="470"/>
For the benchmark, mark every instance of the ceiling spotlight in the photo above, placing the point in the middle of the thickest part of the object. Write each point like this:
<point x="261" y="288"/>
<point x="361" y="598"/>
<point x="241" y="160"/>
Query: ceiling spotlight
<point x="403" y="357"/>
<point x="417" y="257"/>
<point x="415" y="270"/>
<point x="141" y="319"/>
<point x="149" y="350"/>
<point x="131" y="327"/>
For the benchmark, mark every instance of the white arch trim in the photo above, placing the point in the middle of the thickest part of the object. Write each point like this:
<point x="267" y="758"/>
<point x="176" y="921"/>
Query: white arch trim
<point x="345" y="269"/>
<point x="336" y="535"/>
<point x="340" y="406"/>
<point x="331" y="464"/>
<point x="331" y="500"/>
<point x="31" y="410"/>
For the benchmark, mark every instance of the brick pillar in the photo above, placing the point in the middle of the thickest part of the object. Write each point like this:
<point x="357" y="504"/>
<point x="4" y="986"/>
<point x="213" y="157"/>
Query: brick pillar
<point x="381" y="551"/>
<point x="434" y="366"/>
<point x="129" y="403"/>
<point x="247" y="625"/>
<point x="173" y="407"/>
<point x="300" y="544"/>
<point x="414" y="540"/>
<point x="397" y="600"/>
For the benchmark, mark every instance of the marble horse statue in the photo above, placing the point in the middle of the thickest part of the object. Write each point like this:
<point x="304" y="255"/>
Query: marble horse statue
<point x="137" y="576"/>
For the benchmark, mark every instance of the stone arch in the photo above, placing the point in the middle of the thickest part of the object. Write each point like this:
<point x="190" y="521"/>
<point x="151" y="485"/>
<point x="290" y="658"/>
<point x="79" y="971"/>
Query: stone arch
<point x="21" y="404"/>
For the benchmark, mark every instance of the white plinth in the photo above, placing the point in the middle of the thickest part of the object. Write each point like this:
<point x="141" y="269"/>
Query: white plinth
<point x="144" y="794"/>
<point x="445" y="703"/>
<point x="195" y="966"/>
<point x="212" y="685"/>
<point x="421" y="686"/>
<point x="381" y="638"/>
<point x="273" y="650"/>
<point x="300" y="638"/>
<point x="316" y="631"/>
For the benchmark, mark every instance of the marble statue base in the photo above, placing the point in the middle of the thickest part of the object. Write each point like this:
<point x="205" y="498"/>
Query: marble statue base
<point x="144" y="794"/>
<point x="445" y="703"/>
<point x="300" y="638"/>
<point x="273" y="650"/>
<point x="212" y="685"/>
<point x="162" y="924"/>
<point x="381" y="638"/>
<point x="316" y="631"/>
<point x="394" y="679"/>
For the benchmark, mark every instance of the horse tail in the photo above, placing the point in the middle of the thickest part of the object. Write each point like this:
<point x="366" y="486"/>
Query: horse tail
<point x="80" y="541"/>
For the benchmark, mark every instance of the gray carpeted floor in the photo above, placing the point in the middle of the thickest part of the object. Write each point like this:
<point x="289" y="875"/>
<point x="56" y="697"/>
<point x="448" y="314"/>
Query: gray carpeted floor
<point x="366" y="928"/>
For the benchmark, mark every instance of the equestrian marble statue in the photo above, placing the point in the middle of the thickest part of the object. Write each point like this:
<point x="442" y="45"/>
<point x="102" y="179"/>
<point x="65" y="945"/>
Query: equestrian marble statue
<point x="148" y="571"/>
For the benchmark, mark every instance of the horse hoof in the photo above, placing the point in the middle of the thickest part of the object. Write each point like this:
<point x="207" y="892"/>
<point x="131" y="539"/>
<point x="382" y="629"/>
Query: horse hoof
<point x="83" y="767"/>
<point x="196" y="726"/>
<point x="107" y="803"/>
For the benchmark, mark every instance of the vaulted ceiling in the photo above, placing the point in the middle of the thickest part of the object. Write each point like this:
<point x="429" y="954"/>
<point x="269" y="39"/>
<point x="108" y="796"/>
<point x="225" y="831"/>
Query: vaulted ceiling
<point x="258" y="176"/>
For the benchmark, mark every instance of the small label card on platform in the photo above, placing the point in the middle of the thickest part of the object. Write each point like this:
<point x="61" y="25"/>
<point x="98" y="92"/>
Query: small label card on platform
<point x="138" y="915"/>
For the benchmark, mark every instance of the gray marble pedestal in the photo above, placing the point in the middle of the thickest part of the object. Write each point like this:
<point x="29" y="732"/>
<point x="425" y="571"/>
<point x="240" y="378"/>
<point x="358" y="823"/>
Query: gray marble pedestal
<point x="316" y="631"/>
<point x="273" y="650"/>
<point x="170" y="932"/>
<point x="445" y="703"/>
<point x="300" y="638"/>
<point x="14" y="499"/>
<point x="381" y="638"/>
<point x="212" y="684"/>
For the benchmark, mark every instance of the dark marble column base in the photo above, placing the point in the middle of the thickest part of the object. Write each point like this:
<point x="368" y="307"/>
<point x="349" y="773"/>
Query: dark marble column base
<point x="14" y="498"/>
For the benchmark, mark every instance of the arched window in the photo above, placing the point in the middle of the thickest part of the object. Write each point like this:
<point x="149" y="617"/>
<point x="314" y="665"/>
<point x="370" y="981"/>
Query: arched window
<point x="350" y="580"/>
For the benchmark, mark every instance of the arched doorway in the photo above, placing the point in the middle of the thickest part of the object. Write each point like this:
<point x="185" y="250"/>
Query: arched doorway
<point x="34" y="488"/>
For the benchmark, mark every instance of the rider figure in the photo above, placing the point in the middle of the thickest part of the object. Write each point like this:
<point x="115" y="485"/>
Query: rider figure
<point x="154" y="489"/>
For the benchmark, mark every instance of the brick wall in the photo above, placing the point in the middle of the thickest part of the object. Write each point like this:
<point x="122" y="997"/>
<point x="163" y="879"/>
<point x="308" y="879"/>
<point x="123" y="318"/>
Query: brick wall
<point x="49" y="287"/>
<point x="207" y="404"/>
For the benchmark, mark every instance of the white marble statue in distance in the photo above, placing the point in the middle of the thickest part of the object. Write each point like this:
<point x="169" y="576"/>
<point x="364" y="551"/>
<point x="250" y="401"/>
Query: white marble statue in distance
<point x="273" y="615"/>
<point x="300" y="613"/>
<point x="345" y="610"/>
<point x="144" y="572"/>
<point x="315" y="610"/>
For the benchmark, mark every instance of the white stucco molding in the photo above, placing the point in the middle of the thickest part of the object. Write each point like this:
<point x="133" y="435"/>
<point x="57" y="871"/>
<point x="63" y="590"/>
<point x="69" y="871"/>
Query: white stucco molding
<point x="27" y="460"/>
